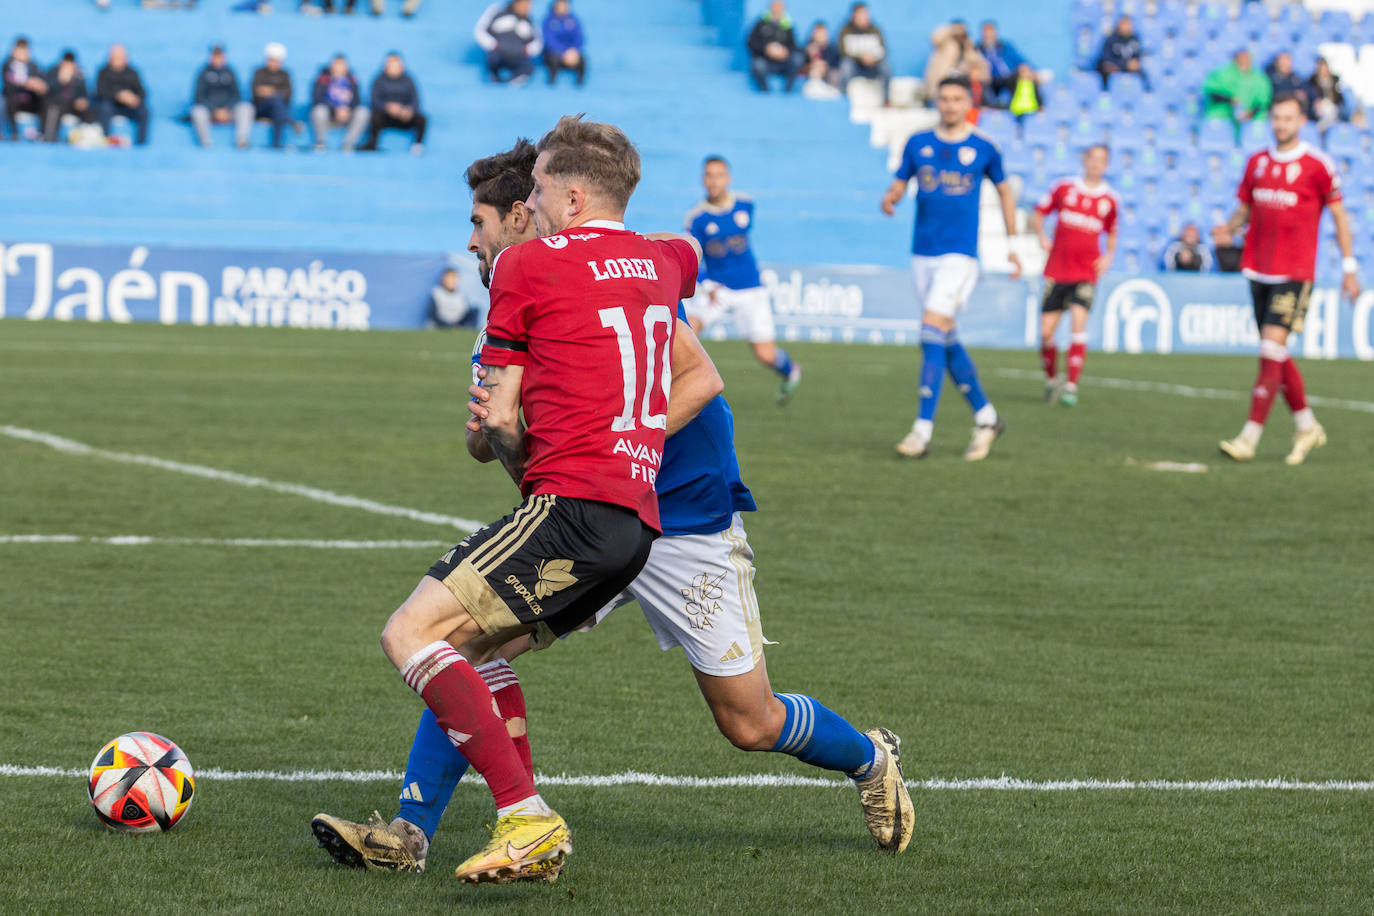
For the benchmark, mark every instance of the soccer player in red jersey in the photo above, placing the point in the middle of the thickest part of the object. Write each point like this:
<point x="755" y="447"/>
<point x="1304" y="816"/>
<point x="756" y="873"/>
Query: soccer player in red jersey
<point x="578" y="368"/>
<point x="1281" y="196"/>
<point x="1087" y="207"/>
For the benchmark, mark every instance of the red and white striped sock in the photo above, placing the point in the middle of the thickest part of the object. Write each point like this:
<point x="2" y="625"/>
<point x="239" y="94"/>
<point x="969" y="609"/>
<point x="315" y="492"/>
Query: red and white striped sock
<point x="1049" y="358"/>
<point x="1294" y="391"/>
<point x="467" y="713"/>
<point x="1269" y="380"/>
<point x="510" y="703"/>
<point x="1078" y="354"/>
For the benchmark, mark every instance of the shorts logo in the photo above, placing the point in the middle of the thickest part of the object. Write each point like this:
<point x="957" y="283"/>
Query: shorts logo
<point x="554" y="576"/>
<point x="702" y="600"/>
<point x="555" y="242"/>
<point x="966" y="155"/>
<point x="1084" y="293"/>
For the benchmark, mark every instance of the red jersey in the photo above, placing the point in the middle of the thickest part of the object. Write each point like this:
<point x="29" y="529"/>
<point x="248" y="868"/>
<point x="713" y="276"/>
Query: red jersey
<point x="590" y="315"/>
<point x="1084" y="214"/>
<point x="1286" y="193"/>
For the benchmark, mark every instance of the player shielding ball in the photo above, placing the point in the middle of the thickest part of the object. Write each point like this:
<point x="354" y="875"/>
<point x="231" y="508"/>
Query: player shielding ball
<point x="1087" y="207"/>
<point x="1281" y="197"/>
<point x="729" y="280"/>
<point x="949" y="164"/>
<point x="577" y="414"/>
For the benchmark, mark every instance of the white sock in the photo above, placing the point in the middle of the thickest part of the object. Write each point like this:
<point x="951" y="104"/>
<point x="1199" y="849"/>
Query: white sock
<point x="875" y="767"/>
<point x="532" y="805"/>
<point x="1304" y="419"/>
<point x="1251" y="431"/>
<point x="924" y="429"/>
<point x="985" y="415"/>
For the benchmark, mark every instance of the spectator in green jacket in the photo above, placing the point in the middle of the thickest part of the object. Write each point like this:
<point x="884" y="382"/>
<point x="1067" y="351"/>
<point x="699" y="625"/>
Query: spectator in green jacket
<point x="1237" y="91"/>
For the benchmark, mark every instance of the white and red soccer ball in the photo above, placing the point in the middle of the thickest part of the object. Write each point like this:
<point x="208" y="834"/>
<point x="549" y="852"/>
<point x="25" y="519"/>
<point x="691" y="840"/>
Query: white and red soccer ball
<point x="141" y="783"/>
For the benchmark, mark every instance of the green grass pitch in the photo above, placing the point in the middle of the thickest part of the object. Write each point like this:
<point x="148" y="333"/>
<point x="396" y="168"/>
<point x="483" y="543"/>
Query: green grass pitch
<point x="1057" y="612"/>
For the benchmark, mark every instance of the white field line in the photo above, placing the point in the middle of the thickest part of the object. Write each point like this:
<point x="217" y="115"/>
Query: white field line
<point x="634" y="778"/>
<point x="1184" y="391"/>
<point x="71" y="447"/>
<point x="138" y="540"/>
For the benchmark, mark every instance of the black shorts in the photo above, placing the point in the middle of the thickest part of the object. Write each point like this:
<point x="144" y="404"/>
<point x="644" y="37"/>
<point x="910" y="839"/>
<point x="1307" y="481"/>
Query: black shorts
<point x="552" y="563"/>
<point x="1282" y="304"/>
<point x="1059" y="296"/>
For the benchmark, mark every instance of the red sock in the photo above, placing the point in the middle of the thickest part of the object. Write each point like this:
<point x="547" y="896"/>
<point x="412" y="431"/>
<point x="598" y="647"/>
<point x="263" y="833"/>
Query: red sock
<point x="1078" y="353"/>
<point x="510" y="703"/>
<point x="1049" y="358"/>
<point x="1266" y="389"/>
<point x="1293" y="389"/>
<point x="463" y="704"/>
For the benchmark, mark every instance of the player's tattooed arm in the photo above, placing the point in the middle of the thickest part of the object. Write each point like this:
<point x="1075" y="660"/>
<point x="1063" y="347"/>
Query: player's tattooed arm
<point x="695" y="379"/>
<point x="504" y="432"/>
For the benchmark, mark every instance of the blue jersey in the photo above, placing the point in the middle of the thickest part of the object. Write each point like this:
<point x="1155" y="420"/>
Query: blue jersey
<point x="724" y="236"/>
<point x="949" y="181"/>
<point x="698" y="484"/>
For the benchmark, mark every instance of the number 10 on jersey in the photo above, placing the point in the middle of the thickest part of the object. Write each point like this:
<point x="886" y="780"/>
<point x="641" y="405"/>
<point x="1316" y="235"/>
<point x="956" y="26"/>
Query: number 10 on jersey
<point x="657" y="370"/>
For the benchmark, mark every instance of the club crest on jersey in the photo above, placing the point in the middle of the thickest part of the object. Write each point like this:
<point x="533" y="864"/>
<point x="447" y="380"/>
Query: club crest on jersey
<point x="966" y="155"/>
<point x="555" y="242"/>
<point x="712" y="228"/>
<point x="741" y="219"/>
<point x="1292" y="172"/>
<point x="1261" y="164"/>
<point x="1104" y="206"/>
<point x="1071" y="199"/>
<point x="927" y="151"/>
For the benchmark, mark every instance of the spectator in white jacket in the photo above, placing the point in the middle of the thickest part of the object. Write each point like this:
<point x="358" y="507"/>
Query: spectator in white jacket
<point x="511" y="39"/>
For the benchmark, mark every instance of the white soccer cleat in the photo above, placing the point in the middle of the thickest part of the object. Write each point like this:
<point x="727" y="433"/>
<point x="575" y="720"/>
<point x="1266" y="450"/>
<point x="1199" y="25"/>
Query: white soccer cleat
<point x="1304" y="440"/>
<point x="913" y="446"/>
<point x="1239" y="448"/>
<point x="983" y="437"/>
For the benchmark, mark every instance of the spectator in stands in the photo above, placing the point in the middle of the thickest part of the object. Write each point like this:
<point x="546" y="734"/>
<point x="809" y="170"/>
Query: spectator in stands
<point x="335" y="102"/>
<point x="272" y="91"/>
<point x="821" y="60"/>
<point x="448" y="307"/>
<point x="66" y="97"/>
<point x="119" y="92"/>
<point x="408" y="8"/>
<point x="863" y="51"/>
<point x="772" y="47"/>
<point x="1326" y="102"/>
<point x="396" y="103"/>
<point x="25" y="88"/>
<point x="1237" y="91"/>
<point x="563" y="42"/>
<point x="510" y="39"/>
<point x="1229" y="247"/>
<point x="956" y="55"/>
<point x="315" y="7"/>
<point x="218" y="101"/>
<point x="1283" y="79"/>
<point x="1122" y="52"/>
<point x="1187" y="253"/>
<point x="1006" y="67"/>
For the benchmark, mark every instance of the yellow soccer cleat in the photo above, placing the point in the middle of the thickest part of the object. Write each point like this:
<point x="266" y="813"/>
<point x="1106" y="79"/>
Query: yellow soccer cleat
<point x="1238" y="449"/>
<point x="523" y="847"/>
<point x="913" y="446"/>
<point x="886" y="802"/>
<point x="376" y="845"/>
<point x="1304" y="440"/>
<point x="983" y="437"/>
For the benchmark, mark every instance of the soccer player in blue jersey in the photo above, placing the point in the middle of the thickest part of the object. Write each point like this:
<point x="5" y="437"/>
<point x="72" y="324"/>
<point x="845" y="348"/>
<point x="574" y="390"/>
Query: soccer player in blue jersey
<point x="729" y="283"/>
<point x="696" y="591"/>
<point x="949" y="164"/>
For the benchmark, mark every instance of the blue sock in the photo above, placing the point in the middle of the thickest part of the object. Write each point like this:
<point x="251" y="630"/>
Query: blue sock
<point x="964" y="373"/>
<point x="432" y="773"/>
<point x="815" y="735"/>
<point x="933" y="364"/>
<point x="782" y="363"/>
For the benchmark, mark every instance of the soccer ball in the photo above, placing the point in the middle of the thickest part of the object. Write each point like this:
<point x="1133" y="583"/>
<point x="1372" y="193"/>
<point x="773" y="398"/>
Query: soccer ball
<point x="141" y="783"/>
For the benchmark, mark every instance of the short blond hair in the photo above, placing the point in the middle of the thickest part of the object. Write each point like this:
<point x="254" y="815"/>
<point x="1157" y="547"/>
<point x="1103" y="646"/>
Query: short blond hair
<point x="598" y="153"/>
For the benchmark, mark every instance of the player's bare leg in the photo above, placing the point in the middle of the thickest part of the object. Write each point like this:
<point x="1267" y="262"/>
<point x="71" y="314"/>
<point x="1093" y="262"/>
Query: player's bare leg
<point x="1049" y="354"/>
<point x="433" y="641"/>
<point x="753" y="718"/>
<point x="1078" y="352"/>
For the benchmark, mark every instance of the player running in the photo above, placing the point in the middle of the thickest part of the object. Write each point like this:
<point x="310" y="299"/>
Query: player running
<point x="585" y="464"/>
<point x="729" y="282"/>
<point x="1281" y="196"/>
<point x="949" y="164"/>
<point x="1087" y="207"/>
<point x="700" y="572"/>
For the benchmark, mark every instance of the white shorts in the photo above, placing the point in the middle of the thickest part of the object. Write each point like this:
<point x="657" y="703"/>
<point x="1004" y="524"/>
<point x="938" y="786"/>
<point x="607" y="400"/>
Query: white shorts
<point x="750" y="308"/>
<point x="697" y="592"/>
<point x="944" y="282"/>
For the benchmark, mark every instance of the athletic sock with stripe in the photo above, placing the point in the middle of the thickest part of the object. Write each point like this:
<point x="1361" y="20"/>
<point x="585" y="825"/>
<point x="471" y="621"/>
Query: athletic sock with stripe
<point x="818" y="736"/>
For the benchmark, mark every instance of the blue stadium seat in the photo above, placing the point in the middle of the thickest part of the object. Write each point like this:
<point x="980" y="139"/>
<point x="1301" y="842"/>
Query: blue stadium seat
<point x="1253" y="19"/>
<point x="1344" y="140"/>
<point x="1254" y="133"/>
<point x="1295" y="18"/>
<point x="1085" y="84"/>
<point x="1040" y="130"/>
<point x="1084" y="131"/>
<point x="1311" y="134"/>
<point x="1149" y="109"/>
<point x="1335" y="25"/>
<point x="1087" y="43"/>
<point x="1125" y="88"/>
<point x="1173" y="135"/>
<point x="998" y="124"/>
<point x="1128" y="132"/>
<point x="1215" y="135"/>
